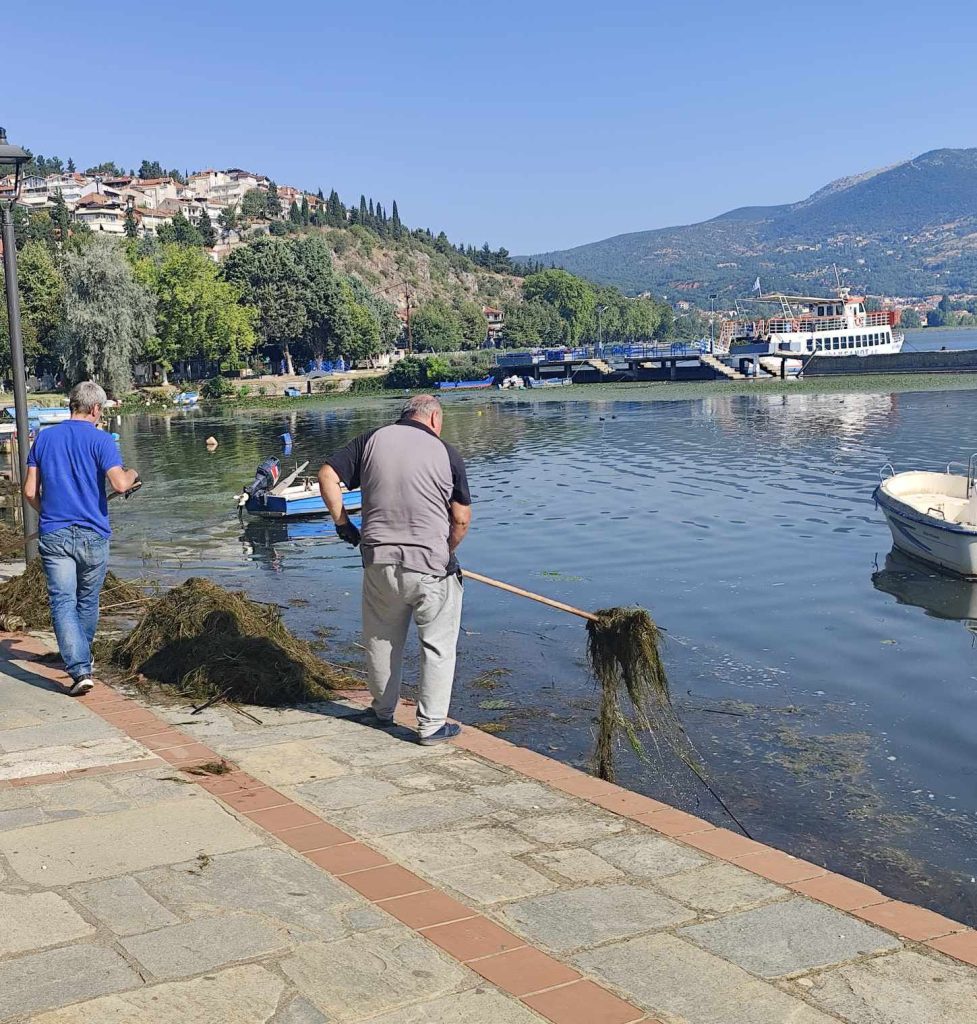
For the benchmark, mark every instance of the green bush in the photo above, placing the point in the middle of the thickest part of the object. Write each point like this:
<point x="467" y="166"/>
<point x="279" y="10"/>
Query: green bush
<point x="408" y="373"/>
<point x="217" y="388"/>
<point x="369" y="385"/>
<point x="243" y="391"/>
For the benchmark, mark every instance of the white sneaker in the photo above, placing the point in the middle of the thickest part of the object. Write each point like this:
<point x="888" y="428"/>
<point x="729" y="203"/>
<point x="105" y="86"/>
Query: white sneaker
<point x="81" y="687"/>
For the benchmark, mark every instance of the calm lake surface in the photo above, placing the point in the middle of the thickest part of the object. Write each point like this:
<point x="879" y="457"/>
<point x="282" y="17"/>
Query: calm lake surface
<point x="830" y="689"/>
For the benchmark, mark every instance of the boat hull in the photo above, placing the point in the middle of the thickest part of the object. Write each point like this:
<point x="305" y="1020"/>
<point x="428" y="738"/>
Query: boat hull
<point x="465" y="385"/>
<point x="950" y="546"/>
<point x="296" y="505"/>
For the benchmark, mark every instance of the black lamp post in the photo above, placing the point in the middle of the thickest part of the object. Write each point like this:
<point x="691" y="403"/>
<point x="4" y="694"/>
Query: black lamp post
<point x="12" y="159"/>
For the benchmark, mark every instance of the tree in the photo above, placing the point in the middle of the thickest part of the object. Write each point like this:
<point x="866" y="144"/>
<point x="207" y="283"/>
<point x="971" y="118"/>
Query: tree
<point x="61" y="219"/>
<point x="180" y="231"/>
<point x="436" y="327"/>
<point x="909" y="318"/>
<point x="205" y="228"/>
<point x="269" y="278"/>
<point x="198" y="313"/>
<point x="572" y="298"/>
<point x="131" y="225"/>
<point x="108" y="317"/>
<point x="41" y="289"/>
<point x="474" y="327"/>
<point x="295" y="213"/>
<point x="273" y="205"/>
<point x="385" y="313"/>
<point x="254" y="204"/>
<point x="304" y="210"/>
<point x="71" y="166"/>
<point x="397" y="229"/>
<point x="105" y="170"/>
<point x="151" y="169"/>
<point x="227" y="219"/>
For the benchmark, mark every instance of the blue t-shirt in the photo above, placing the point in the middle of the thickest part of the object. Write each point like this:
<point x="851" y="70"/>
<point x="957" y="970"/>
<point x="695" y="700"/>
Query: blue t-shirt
<point x="72" y="459"/>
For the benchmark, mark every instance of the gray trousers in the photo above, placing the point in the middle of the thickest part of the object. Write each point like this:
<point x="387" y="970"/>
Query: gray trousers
<point x="392" y="596"/>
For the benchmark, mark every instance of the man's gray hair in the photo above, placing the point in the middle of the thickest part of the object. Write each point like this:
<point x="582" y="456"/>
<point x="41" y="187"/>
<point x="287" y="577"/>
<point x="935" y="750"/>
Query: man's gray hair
<point x="420" y="407"/>
<point x="85" y="396"/>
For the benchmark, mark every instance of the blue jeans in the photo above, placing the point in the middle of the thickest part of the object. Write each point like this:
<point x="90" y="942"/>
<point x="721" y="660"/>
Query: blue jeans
<point x="75" y="561"/>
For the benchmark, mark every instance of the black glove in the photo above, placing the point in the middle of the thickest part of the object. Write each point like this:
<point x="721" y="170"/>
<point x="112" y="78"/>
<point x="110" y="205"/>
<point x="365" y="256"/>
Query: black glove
<point x="453" y="569"/>
<point x="348" y="532"/>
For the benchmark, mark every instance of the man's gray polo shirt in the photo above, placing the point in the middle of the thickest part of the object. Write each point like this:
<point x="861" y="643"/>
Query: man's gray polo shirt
<point x="409" y="478"/>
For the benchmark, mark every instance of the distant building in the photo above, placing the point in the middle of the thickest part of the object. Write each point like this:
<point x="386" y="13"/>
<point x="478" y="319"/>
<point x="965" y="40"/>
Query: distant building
<point x="495" y="324"/>
<point x="102" y="213"/>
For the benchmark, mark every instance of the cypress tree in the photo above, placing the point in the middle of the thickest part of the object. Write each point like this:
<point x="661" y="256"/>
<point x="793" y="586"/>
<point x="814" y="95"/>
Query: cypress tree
<point x="305" y="209"/>
<point x="395" y="219"/>
<point x="363" y="211"/>
<point x="206" y="228"/>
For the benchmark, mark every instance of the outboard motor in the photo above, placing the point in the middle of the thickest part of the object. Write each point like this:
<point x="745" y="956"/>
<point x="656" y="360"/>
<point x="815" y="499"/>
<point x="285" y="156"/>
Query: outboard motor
<point x="265" y="478"/>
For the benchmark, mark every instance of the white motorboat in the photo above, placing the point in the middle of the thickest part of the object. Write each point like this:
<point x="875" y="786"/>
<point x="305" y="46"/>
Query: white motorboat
<point x="933" y="516"/>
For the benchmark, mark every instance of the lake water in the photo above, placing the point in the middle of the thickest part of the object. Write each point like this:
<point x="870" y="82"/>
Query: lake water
<point x="830" y="689"/>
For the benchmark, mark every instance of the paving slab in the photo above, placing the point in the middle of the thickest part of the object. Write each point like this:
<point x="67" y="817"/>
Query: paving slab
<point x="83" y="849"/>
<point x="299" y="1011"/>
<point x="280" y="886"/>
<point x="496" y="880"/>
<point x="33" y="921"/>
<point x="787" y="938"/>
<point x="577" y="918"/>
<point x="433" y="852"/>
<point x="581" y="826"/>
<point x="18" y="817"/>
<point x="206" y="944"/>
<point x="348" y="791"/>
<point x="411" y="813"/>
<point x="478" y="1006"/>
<point x="241" y="995"/>
<point x="55" y="734"/>
<point x="648" y="856"/>
<point x="576" y="864"/>
<point x="123" y="904"/>
<point x="289" y="764"/>
<point x="904" y="988"/>
<point x="524" y="796"/>
<point x="46" y="760"/>
<point x="685" y="985"/>
<point x="718" y="888"/>
<point x="368" y="974"/>
<point x="52" y="978"/>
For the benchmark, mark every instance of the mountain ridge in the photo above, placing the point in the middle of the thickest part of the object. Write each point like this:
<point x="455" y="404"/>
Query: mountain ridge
<point x="906" y="229"/>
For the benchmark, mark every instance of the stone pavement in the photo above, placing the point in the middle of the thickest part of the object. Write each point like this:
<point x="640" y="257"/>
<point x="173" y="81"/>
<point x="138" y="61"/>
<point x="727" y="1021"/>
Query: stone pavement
<point x="338" y="873"/>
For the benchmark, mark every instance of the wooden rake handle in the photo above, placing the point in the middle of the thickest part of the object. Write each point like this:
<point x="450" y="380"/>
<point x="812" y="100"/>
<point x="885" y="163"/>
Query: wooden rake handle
<point x="519" y="592"/>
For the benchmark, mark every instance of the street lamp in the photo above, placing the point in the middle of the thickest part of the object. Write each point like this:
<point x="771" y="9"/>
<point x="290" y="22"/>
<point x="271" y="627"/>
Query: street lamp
<point x="601" y="310"/>
<point x="12" y="160"/>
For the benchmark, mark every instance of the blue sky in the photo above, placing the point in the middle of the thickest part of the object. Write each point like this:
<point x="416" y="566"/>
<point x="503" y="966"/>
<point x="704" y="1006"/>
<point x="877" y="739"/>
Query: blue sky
<point x="534" y="125"/>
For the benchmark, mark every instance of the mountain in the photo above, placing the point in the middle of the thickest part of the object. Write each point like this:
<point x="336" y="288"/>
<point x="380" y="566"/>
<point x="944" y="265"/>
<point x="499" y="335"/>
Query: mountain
<point x="905" y="230"/>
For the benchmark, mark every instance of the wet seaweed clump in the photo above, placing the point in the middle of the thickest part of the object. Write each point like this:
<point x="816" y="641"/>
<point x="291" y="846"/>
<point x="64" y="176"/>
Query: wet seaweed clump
<point x="624" y="650"/>
<point x="24" y="597"/>
<point x="11" y="543"/>
<point x="210" y="642"/>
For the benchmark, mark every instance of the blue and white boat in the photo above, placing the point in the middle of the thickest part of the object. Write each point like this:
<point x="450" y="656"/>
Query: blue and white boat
<point x="933" y="516"/>
<point x="186" y="399"/>
<point x="292" y="497"/>
<point x="466" y="385"/>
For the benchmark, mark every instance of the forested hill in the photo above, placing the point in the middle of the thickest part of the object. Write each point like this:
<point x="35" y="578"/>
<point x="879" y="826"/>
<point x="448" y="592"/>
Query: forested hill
<point x="905" y="230"/>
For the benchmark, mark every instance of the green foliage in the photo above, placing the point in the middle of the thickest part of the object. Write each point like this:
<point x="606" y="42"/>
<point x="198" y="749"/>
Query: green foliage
<point x="180" y="231"/>
<point x="368" y="385"/>
<point x="254" y="204"/>
<point x="909" y="319"/>
<point x="217" y="389"/>
<point x="410" y="372"/>
<point x="198" y="312"/>
<point x="41" y="290"/>
<point x="205" y="228"/>
<point x="572" y="298"/>
<point x="436" y="327"/>
<point x="131" y="226"/>
<point x="108" y="319"/>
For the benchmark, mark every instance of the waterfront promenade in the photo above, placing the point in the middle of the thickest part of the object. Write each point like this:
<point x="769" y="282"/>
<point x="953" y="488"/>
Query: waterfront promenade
<point x="339" y="873"/>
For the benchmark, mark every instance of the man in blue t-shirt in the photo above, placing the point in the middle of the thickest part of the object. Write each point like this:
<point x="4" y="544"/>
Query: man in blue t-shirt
<point x="65" y="483"/>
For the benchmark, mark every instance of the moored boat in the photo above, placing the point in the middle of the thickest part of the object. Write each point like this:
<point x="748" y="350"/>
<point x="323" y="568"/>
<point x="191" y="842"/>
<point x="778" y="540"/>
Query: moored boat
<point x="465" y="385"/>
<point x="554" y="382"/>
<point x="810" y="325"/>
<point x="933" y="516"/>
<point x="294" y="496"/>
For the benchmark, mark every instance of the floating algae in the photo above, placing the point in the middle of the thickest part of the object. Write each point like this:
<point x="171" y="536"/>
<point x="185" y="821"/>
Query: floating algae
<point x="623" y="646"/>
<point x="25" y="596"/>
<point x="209" y="641"/>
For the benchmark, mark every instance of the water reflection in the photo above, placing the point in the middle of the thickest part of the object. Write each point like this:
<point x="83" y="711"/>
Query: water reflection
<point x="939" y="595"/>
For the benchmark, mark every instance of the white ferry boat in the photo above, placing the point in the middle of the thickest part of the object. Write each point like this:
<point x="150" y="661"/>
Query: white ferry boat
<point x="807" y="325"/>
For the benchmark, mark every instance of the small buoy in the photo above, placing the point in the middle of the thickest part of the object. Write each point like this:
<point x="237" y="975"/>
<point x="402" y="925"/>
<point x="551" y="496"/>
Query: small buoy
<point x="211" y="443"/>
